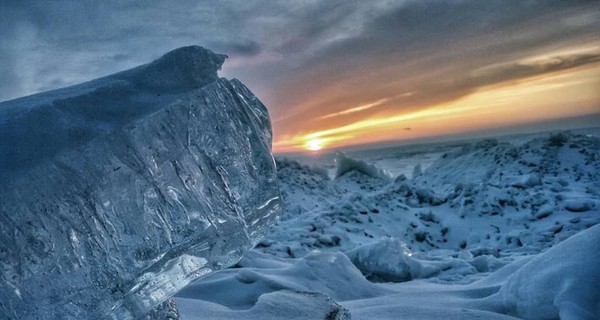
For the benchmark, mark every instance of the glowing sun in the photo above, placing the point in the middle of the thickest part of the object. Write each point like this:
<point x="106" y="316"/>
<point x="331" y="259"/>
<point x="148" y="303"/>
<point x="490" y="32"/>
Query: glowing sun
<point x="314" y="144"/>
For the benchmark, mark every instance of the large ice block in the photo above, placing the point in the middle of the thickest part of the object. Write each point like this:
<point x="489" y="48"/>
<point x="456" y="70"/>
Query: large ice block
<point x="118" y="192"/>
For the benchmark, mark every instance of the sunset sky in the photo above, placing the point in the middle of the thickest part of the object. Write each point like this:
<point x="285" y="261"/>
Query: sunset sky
<point x="335" y="73"/>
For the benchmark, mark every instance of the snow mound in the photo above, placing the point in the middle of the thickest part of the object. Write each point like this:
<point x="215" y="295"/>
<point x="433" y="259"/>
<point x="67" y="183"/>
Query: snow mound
<point x="240" y="288"/>
<point x="119" y="192"/>
<point x="265" y="287"/>
<point x="390" y="260"/>
<point x="562" y="282"/>
<point x="283" y="304"/>
<point x="345" y="164"/>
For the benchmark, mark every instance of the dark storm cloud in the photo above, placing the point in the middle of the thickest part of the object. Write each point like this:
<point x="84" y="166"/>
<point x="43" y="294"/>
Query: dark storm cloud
<point x="515" y="71"/>
<point x="434" y="48"/>
<point x="426" y="25"/>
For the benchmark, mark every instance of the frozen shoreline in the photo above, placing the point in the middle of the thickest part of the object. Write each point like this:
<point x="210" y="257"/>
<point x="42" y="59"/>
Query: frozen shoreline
<point x="445" y="242"/>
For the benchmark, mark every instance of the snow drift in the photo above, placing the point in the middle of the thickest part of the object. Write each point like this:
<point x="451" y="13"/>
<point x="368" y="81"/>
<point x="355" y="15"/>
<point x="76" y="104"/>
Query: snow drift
<point x="560" y="283"/>
<point x="118" y="192"/>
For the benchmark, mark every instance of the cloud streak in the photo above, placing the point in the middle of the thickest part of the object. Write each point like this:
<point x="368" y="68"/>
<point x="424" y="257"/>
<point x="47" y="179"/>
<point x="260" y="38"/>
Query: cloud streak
<point x="356" y="109"/>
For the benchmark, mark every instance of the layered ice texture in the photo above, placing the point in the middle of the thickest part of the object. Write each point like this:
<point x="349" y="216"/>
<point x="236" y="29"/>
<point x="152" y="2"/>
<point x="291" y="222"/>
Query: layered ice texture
<point x="118" y="192"/>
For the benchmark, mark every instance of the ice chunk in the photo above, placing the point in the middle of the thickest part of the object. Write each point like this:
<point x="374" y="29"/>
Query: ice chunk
<point x="346" y="164"/>
<point x="386" y="260"/>
<point x="118" y="192"/>
<point x="390" y="260"/>
<point x="417" y="171"/>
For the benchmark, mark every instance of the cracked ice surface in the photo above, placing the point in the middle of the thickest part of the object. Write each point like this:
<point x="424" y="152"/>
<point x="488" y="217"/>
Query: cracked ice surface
<point x="118" y="192"/>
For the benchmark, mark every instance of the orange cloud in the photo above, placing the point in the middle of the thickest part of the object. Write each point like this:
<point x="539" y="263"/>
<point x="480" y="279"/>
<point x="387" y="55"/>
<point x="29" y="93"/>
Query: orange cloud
<point x="562" y="94"/>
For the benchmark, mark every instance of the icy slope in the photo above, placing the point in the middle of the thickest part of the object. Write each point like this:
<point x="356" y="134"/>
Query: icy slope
<point x="119" y="192"/>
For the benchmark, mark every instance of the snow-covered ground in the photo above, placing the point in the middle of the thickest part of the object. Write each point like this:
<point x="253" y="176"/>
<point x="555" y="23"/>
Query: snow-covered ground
<point x="490" y="229"/>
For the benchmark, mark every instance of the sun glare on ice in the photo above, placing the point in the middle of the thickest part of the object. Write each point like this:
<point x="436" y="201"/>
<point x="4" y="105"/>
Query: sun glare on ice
<point x="314" y="144"/>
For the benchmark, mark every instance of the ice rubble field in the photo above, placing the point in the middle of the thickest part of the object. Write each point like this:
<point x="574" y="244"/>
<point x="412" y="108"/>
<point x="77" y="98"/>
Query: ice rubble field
<point x="483" y="230"/>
